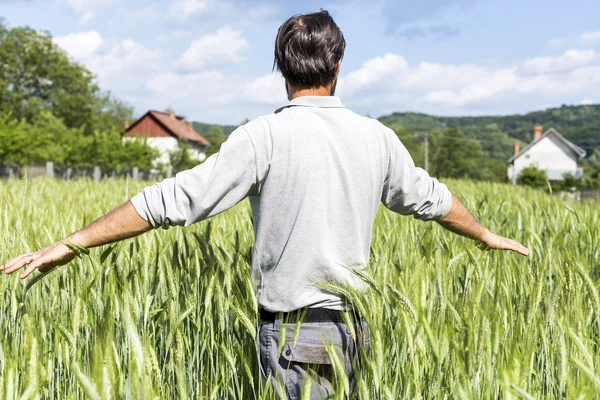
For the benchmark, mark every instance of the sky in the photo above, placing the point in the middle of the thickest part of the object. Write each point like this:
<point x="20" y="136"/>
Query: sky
<point x="211" y="60"/>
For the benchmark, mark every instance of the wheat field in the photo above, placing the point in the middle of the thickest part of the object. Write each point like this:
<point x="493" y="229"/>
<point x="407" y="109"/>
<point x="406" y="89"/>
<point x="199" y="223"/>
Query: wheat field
<point x="172" y="314"/>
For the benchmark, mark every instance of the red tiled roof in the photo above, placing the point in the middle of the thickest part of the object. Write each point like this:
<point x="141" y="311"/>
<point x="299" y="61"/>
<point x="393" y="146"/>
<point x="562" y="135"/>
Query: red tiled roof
<point x="179" y="127"/>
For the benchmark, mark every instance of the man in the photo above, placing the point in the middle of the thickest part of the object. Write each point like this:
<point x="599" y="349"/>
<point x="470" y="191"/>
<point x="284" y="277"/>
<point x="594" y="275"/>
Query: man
<point x="315" y="173"/>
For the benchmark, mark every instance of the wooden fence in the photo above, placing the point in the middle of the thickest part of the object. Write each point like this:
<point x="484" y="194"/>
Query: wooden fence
<point x="95" y="173"/>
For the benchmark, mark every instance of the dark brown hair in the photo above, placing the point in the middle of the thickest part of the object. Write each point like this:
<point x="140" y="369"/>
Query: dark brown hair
<point x="308" y="48"/>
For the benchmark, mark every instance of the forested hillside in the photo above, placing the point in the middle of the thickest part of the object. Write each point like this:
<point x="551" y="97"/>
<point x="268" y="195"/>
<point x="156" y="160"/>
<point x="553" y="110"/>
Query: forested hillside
<point x="580" y="124"/>
<point x="478" y="147"/>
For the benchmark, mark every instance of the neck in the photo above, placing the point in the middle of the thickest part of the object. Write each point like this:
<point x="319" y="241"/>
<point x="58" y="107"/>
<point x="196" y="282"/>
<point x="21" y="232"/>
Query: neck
<point x="294" y="92"/>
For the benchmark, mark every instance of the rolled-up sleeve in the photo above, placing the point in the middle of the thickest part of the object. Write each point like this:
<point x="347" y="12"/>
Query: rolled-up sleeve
<point x="212" y="187"/>
<point x="409" y="190"/>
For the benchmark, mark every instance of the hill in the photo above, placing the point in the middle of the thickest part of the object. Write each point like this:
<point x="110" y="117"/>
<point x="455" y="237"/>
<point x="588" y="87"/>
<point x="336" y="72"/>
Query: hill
<point x="202" y="127"/>
<point x="580" y="124"/>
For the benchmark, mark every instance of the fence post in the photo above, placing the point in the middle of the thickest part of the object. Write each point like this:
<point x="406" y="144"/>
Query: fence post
<point x="169" y="172"/>
<point x="97" y="173"/>
<point x="49" y="169"/>
<point x="69" y="173"/>
<point x="135" y="174"/>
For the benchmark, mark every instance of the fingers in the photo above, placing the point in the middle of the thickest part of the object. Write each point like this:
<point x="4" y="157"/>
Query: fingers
<point x="501" y="243"/>
<point x="18" y="263"/>
<point x="515" y="246"/>
<point x="30" y="268"/>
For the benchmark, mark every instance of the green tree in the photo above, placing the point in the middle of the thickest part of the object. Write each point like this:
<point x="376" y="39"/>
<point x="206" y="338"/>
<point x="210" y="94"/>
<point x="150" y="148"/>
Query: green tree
<point x="36" y="76"/>
<point x="452" y="155"/>
<point x="181" y="158"/>
<point x="533" y="177"/>
<point x="110" y="113"/>
<point x="215" y="135"/>
<point x="411" y="142"/>
<point x="591" y="169"/>
<point x="570" y="183"/>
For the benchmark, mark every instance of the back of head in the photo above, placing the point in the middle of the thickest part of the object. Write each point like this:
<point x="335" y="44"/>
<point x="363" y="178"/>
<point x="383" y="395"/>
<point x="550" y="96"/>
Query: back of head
<point x="308" y="49"/>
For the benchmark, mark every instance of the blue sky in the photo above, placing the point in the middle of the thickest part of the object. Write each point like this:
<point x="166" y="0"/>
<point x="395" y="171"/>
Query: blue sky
<point x="211" y="60"/>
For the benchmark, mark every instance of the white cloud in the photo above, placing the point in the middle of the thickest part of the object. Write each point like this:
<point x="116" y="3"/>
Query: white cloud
<point x="80" y="45"/>
<point x="590" y="37"/>
<point x="586" y="39"/>
<point x="373" y="71"/>
<point x="388" y="83"/>
<point x="182" y="10"/>
<point x="108" y="59"/>
<point x="214" y="96"/>
<point x="587" y="101"/>
<point x="390" y="77"/>
<point x="570" y="59"/>
<point x="267" y="89"/>
<point x="203" y="84"/>
<point x="206" y="12"/>
<point x="85" y="9"/>
<point x="218" y="48"/>
<point x="215" y="88"/>
<point x="125" y="54"/>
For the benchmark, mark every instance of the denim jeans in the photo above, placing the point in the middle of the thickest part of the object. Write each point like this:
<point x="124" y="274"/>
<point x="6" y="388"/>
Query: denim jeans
<point x="307" y="358"/>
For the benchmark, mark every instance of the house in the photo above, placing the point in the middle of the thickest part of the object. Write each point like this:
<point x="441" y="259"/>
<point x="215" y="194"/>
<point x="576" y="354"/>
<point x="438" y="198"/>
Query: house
<point x="550" y="152"/>
<point x="164" y="131"/>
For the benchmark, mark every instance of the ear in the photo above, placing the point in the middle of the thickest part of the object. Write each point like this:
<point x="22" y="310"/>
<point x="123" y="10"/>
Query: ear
<point x="339" y="66"/>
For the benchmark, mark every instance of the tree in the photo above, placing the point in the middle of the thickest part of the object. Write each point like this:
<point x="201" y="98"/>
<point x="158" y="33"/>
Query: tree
<point x="411" y="142"/>
<point x="36" y="76"/>
<point x="533" y="177"/>
<point x="452" y="155"/>
<point x="110" y="113"/>
<point x="215" y="135"/>
<point x="591" y="168"/>
<point x="181" y="159"/>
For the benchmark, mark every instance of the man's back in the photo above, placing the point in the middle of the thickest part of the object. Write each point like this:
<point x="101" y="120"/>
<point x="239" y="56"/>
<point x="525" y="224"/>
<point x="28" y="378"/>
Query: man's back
<point x="322" y="178"/>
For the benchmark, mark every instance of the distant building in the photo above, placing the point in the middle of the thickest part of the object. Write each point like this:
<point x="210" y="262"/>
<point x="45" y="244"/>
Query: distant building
<point x="163" y="131"/>
<point x="550" y="152"/>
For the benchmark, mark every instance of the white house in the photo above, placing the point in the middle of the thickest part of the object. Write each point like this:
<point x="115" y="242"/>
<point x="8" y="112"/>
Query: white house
<point x="550" y="152"/>
<point x="164" y="131"/>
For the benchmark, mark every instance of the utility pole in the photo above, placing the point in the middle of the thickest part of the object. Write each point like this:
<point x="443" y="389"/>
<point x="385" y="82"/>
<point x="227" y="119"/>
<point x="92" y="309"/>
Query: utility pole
<point x="427" y="152"/>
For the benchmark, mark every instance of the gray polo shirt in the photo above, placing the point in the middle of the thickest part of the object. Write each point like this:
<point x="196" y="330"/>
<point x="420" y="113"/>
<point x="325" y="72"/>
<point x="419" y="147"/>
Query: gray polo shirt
<point x="315" y="173"/>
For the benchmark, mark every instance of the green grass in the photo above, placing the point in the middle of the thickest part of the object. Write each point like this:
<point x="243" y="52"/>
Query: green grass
<point x="171" y="314"/>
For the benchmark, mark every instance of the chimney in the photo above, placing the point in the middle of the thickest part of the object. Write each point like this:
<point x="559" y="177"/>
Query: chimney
<point x="127" y="125"/>
<point x="172" y="114"/>
<point x="537" y="132"/>
<point x="517" y="147"/>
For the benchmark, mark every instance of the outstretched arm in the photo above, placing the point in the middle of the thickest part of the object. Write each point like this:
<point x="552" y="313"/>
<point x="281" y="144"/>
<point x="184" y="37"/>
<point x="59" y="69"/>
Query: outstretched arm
<point x="460" y="221"/>
<point x="409" y="190"/>
<point x="218" y="184"/>
<point x="122" y="223"/>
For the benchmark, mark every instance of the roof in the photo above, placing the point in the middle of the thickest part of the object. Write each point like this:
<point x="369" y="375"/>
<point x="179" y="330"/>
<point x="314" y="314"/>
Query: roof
<point x="174" y="125"/>
<point x="579" y="152"/>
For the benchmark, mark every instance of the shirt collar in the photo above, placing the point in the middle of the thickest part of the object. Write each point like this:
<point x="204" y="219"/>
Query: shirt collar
<point x="317" y="101"/>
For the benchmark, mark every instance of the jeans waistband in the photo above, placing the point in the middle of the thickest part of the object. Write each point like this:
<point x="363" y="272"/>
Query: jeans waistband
<point x="308" y="315"/>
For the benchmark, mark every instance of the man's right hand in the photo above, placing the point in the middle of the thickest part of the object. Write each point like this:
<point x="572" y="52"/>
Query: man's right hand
<point x="491" y="241"/>
<point x="43" y="260"/>
<point x="460" y="221"/>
